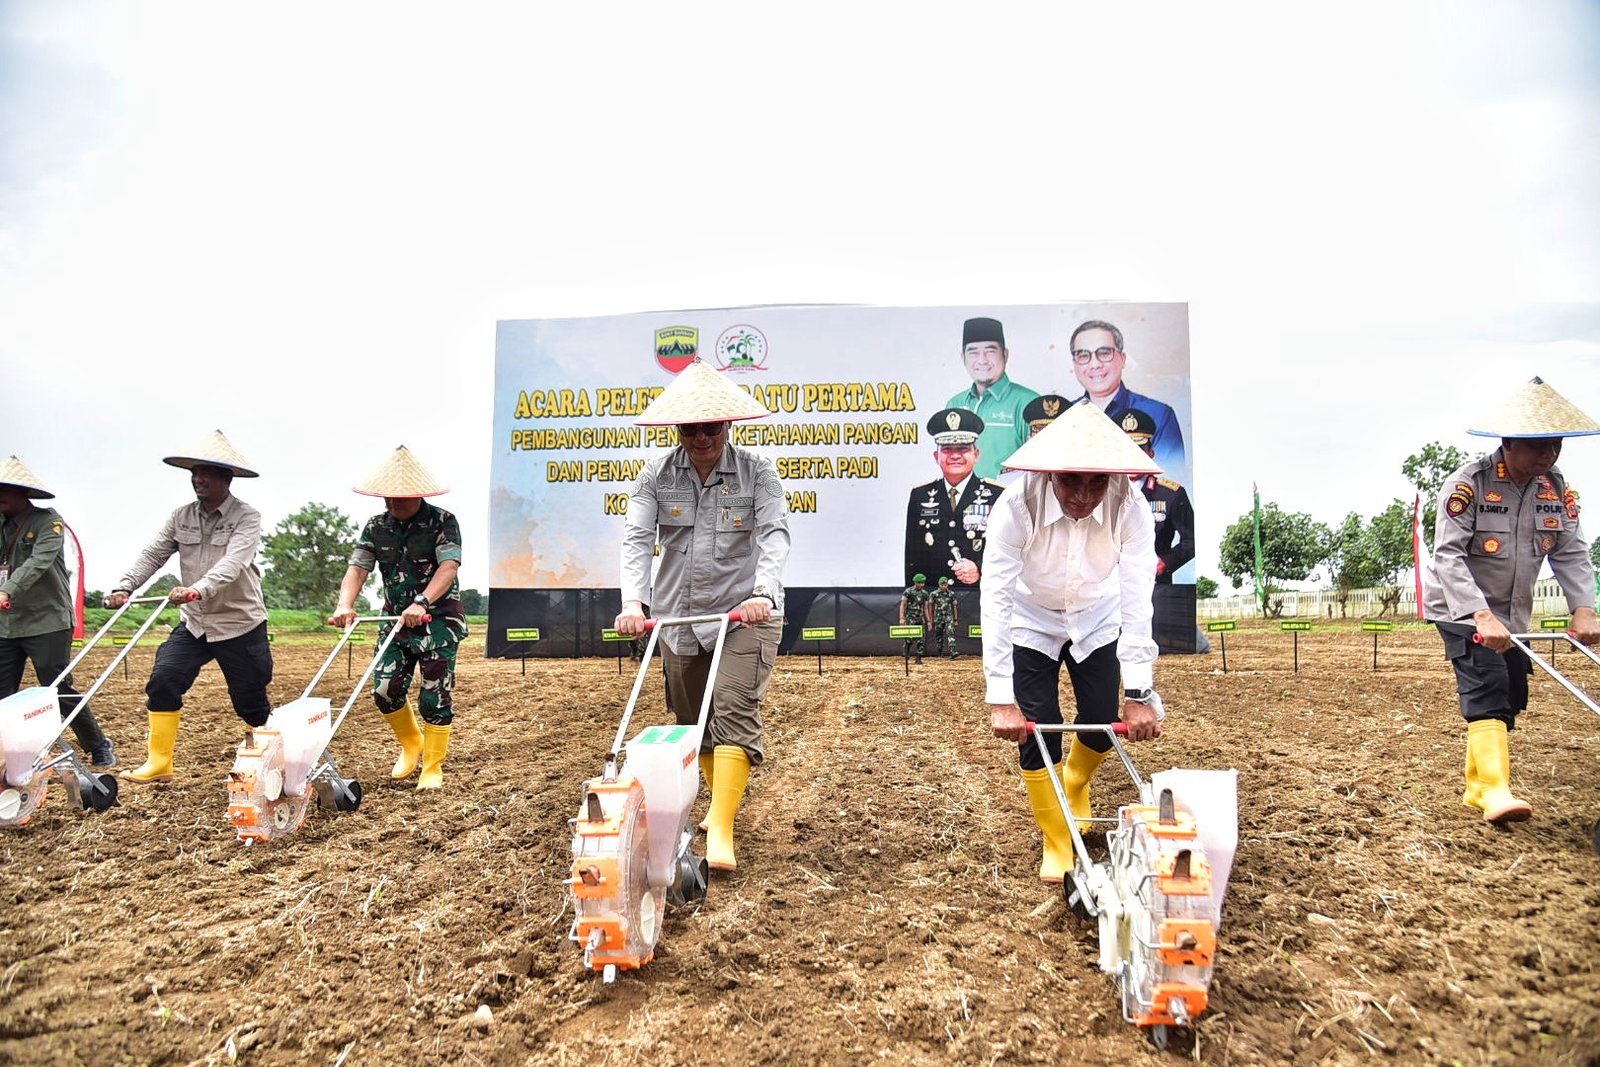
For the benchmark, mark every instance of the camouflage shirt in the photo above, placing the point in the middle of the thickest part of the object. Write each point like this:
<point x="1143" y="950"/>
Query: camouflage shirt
<point x="944" y="605"/>
<point x="915" y="598"/>
<point x="406" y="555"/>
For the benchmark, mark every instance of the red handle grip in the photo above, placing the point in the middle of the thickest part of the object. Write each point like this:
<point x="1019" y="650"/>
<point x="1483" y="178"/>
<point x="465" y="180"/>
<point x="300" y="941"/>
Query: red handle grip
<point x="733" y="616"/>
<point x="1477" y="639"/>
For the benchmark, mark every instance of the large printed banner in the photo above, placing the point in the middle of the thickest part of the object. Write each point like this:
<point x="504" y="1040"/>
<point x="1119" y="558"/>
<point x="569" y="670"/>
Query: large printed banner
<point x="852" y="391"/>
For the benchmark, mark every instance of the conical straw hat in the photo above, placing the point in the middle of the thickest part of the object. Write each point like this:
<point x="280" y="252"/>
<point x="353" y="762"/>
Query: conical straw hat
<point x="14" y="472"/>
<point x="214" y="450"/>
<point x="1082" y="439"/>
<point x="401" y="476"/>
<point x="700" y="394"/>
<point x="1536" y="410"/>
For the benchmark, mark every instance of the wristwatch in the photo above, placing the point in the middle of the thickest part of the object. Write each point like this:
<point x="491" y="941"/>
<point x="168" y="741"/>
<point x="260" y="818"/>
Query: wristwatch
<point x="421" y="600"/>
<point x="1138" y="696"/>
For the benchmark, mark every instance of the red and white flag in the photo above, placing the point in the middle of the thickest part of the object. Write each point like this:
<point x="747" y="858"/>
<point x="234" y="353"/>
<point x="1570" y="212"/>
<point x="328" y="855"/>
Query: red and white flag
<point x="1416" y="546"/>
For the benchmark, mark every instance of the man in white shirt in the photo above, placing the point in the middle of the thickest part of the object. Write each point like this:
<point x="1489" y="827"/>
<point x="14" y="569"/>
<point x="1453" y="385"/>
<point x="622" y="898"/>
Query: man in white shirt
<point x="1067" y="580"/>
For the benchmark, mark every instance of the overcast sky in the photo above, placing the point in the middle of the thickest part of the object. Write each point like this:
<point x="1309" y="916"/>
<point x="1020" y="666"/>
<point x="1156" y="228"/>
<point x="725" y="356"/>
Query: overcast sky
<point x="299" y="222"/>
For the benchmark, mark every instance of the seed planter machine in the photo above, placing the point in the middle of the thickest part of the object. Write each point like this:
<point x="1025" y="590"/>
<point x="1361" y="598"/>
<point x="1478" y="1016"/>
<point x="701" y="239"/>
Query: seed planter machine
<point x="631" y="838"/>
<point x="1156" y="896"/>
<point x="285" y="764"/>
<point x="31" y="731"/>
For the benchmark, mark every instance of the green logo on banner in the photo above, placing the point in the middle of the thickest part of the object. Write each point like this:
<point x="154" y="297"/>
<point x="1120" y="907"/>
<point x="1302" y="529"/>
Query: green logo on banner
<point x="818" y="633"/>
<point x="529" y="634"/>
<point x="1554" y="624"/>
<point x="907" y="632"/>
<point x="1370" y="627"/>
<point x="974" y="630"/>
<point x="1298" y="625"/>
<point x="1218" y="627"/>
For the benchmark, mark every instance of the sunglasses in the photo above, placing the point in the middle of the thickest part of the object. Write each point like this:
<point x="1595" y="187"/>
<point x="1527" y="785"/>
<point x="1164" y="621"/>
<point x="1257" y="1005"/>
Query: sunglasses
<point x="700" y="429"/>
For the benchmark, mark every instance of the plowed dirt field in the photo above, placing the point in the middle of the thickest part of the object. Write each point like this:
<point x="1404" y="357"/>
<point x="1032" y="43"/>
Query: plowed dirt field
<point x="885" y="908"/>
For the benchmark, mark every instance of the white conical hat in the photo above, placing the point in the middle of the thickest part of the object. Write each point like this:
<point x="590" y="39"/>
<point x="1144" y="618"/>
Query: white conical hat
<point x="1536" y="410"/>
<point x="1082" y="439"/>
<point x="401" y="476"/>
<point x="214" y="450"/>
<point x="14" y="472"/>
<point x="701" y="394"/>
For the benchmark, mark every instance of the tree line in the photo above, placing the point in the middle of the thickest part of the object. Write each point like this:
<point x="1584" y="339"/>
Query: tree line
<point x="1372" y="552"/>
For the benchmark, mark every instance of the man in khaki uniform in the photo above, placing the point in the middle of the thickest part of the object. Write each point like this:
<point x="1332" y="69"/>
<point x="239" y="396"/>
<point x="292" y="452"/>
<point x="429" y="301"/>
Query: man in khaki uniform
<point x="224" y="615"/>
<point x="36" y="603"/>
<point x="1499" y="519"/>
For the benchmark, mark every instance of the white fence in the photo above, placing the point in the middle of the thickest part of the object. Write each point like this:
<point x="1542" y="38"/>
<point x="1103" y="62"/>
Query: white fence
<point x="1548" y="601"/>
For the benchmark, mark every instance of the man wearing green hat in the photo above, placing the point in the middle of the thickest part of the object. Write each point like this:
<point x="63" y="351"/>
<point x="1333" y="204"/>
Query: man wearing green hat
<point x="946" y="614"/>
<point x="36" y="603"/>
<point x="1499" y="520"/>
<point x="914" y="606"/>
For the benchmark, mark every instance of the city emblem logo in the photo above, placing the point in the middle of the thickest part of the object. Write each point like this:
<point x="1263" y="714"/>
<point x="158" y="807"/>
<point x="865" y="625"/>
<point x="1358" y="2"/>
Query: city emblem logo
<point x="677" y="347"/>
<point x="741" y="348"/>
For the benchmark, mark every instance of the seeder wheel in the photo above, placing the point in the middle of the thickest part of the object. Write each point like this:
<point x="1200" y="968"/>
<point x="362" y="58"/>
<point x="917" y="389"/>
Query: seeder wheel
<point x="100" y="792"/>
<point x="17" y="804"/>
<point x="350" y="803"/>
<point x="691" y="883"/>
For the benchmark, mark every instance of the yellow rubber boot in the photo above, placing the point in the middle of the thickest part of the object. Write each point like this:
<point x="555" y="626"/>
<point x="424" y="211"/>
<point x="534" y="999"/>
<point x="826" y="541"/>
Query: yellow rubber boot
<point x="1076" y="773"/>
<point x="404" y="724"/>
<point x="1490" y="751"/>
<point x="157" y="766"/>
<point x="1052" y="823"/>
<point x="435" y="745"/>
<point x="730" y="777"/>
<point x="1472" y="795"/>
<point x="708" y="763"/>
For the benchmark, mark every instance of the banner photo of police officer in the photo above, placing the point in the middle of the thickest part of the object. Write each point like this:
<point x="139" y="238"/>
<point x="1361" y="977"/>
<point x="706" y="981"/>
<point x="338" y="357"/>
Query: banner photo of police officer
<point x="890" y="428"/>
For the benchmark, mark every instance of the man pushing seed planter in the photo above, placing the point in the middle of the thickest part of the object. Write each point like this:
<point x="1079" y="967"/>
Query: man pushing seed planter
<point x="416" y="547"/>
<point x="1067" y="579"/>
<point x="1498" y="520"/>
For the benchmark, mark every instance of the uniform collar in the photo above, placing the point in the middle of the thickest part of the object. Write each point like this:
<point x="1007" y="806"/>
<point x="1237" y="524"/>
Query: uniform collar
<point x="1002" y="386"/>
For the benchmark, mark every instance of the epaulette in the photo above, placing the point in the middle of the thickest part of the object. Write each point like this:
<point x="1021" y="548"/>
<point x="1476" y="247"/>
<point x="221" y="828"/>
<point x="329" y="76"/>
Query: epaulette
<point x="1168" y="483"/>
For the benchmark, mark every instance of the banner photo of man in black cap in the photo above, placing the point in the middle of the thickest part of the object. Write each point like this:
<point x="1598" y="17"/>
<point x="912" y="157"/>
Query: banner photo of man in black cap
<point x="997" y="400"/>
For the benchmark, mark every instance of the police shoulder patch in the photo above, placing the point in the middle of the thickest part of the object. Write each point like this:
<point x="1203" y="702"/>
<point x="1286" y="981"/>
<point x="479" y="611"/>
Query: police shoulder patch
<point x="1456" y="504"/>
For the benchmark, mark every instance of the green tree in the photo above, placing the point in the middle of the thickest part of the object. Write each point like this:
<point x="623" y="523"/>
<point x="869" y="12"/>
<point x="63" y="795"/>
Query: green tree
<point x="1348" y="552"/>
<point x="1389" y="548"/>
<point x="1426" y="471"/>
<point x="306" y="557"/>
<point x="1291" y="545"/>
<point x="1205" y="588"/>
<point x="474" y="602"/>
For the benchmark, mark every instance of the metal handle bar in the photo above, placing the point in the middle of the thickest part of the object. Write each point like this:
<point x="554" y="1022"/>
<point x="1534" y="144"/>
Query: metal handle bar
<point x="344" y="638"/>
<point x="83" y="699"/>
<point x="105" y="629"/>
<point x="652" y="627"/>
<point x="1521" y="641"/>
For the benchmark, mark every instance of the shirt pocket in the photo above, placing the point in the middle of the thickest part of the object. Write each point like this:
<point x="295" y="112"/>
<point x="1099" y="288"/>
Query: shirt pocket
<point x="735" y="526"/>
<point x="1491" y="535"/>
<point x="187" y="536"/>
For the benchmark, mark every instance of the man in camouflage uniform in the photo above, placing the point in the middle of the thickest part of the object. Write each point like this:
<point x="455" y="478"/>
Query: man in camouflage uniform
<point x="942" y="605"/>
<point x="417" y="550"/>
<point x="36" y="602"/>
<point x="914" y="606"/>
<point x="1500" y="519"/>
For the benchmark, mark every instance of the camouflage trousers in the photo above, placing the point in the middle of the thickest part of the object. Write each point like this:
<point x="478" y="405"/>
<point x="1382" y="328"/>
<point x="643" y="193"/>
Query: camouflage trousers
<point x="944" y="635"/>
<point x="432" y="655"/>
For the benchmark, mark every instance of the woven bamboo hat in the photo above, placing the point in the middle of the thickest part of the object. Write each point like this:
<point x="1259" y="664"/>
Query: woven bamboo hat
<point x="1083" y="440"/>
<point x="1536" y="410"/>
<point x="700" y="394"/>
<point x="14" y="472"/>
<point x="399" y="476"/>
<point x="213" y="450"/>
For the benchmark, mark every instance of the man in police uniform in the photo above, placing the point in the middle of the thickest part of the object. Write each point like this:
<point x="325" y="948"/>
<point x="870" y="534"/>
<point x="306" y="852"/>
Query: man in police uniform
<point x="998" y="401"/>
<point x="718" y="512"/>
<point x="1499" y="519"/>
<point x="216" y="539"/>
<point x="946" y="614"/>
<point x="914" y="604"/>
<point x="36" y="602"/>
<point x="1169" y="503"/>
<point x="947" y="519"/>
<point x="416" y="547"/>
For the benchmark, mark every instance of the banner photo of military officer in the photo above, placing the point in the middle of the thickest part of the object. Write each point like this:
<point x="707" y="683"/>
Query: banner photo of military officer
<point x="889" y="428"/>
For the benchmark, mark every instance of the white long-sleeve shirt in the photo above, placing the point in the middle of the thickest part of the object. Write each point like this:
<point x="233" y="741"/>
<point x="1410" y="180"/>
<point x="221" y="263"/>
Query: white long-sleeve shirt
<point x="1049" y="579"/>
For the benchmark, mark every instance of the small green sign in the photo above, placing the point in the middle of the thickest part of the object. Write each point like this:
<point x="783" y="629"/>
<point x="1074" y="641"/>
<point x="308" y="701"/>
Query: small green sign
<point x="357" y="637"/>
<point x="271" y="637"/>
<point x="1368" y="626"/>
<point x="527" y="634"/>
<point x="1218" y="627"/>
<point x="607" y="634"/>
<point x="1297" y="625"/>
<point x="1554" y="624"/>
<point x="974" y="630"/>
<point x="907" y="632"/>
<point x="819" y="633"/>
<point x="123" y="640"/>
<point x="77" y="642"/>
